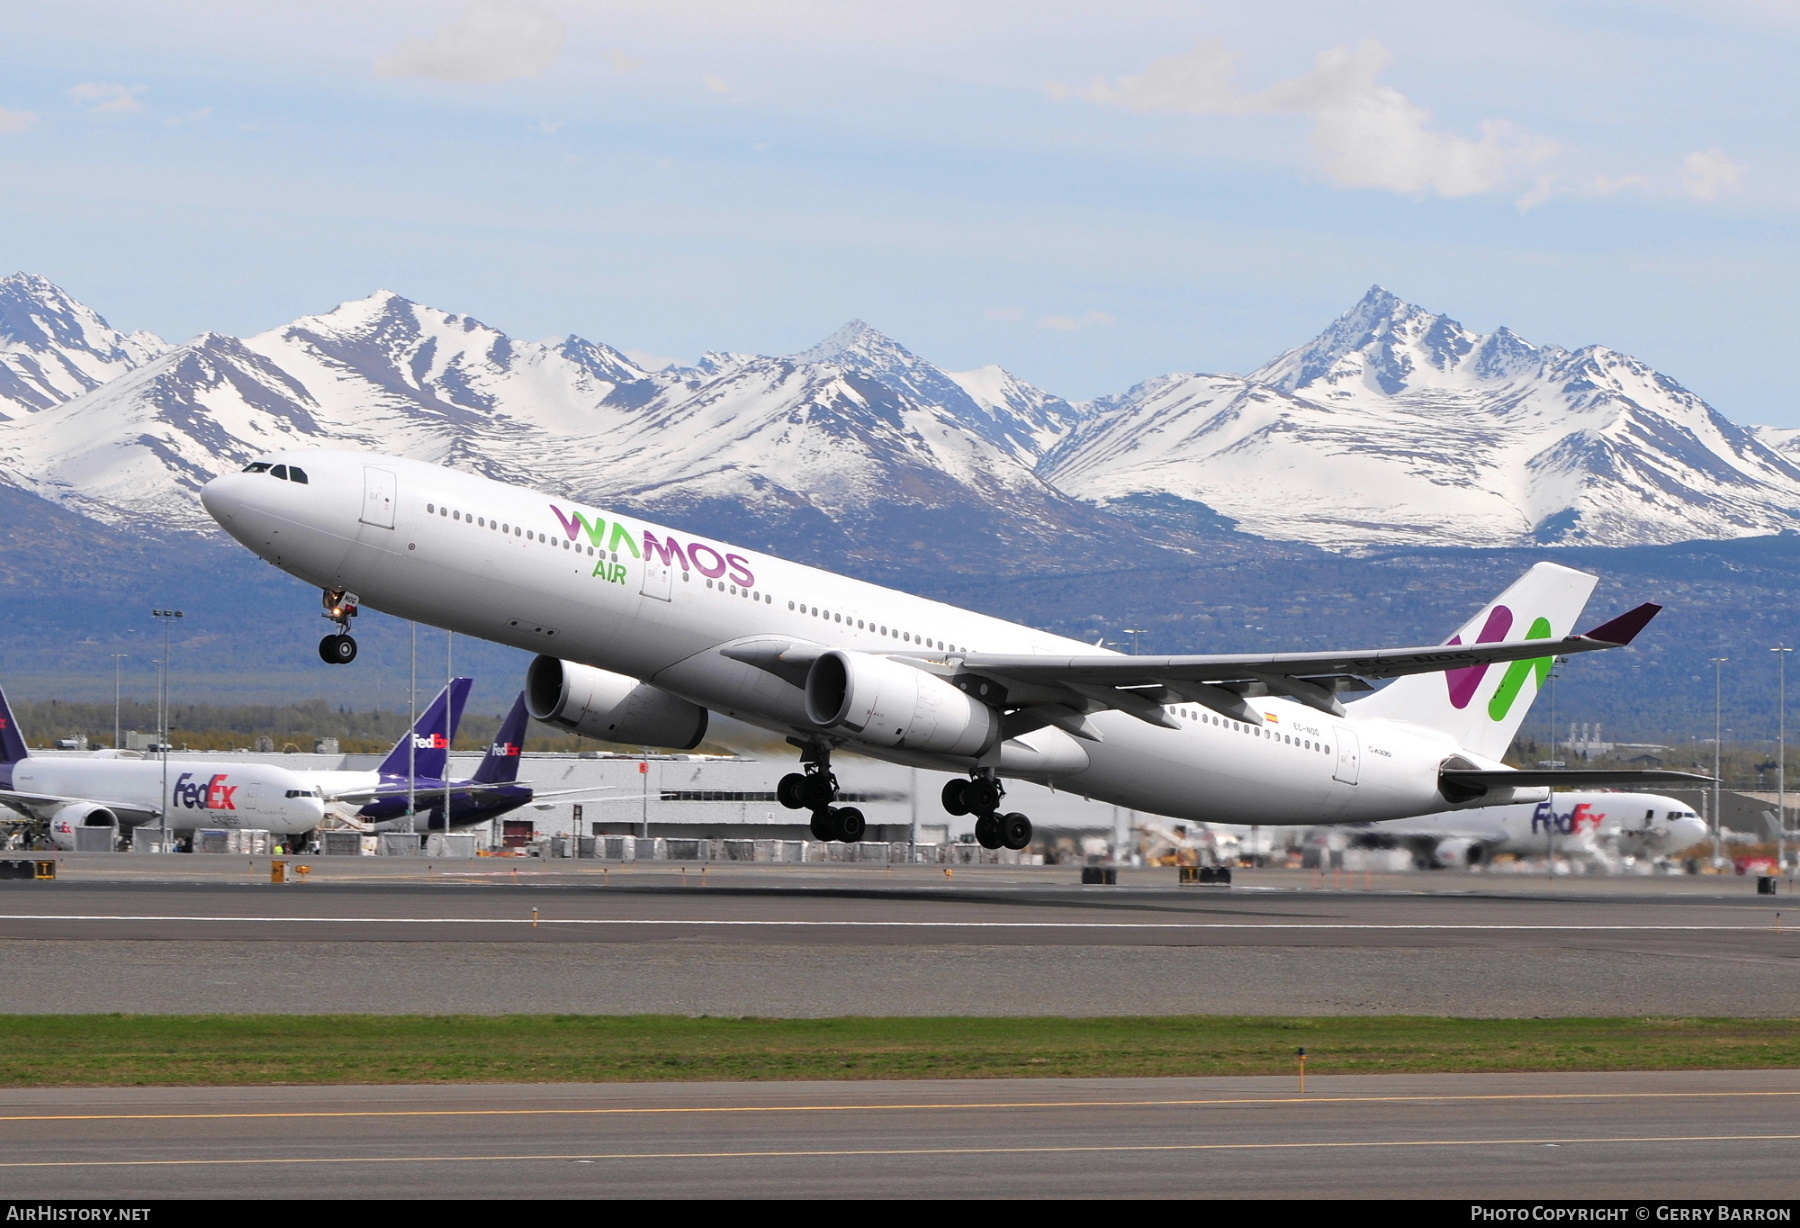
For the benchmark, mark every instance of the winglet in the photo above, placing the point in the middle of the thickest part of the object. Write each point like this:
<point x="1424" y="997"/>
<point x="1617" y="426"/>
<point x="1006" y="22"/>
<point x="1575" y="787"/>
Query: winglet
<point x="1623" y="629"/>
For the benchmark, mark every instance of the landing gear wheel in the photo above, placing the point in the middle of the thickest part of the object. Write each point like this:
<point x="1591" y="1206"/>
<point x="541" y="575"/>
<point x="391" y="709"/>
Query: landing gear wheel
<point x="982" y="795"/>
<point x="955" y="792"/>
<point x="337" y="650"/>
<point x="1015" y="830"/>
<point x="817" y="790"/>
<point x="791" y="791"/>
<point x="822" y="826"/>
<point x="850" y="824"/>
<point x="987" y="831"/>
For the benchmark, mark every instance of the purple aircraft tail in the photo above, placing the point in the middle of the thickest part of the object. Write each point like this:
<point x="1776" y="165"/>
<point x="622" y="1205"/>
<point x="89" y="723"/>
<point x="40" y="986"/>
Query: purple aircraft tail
<point x="501" y="763"/>
<point x="12" y="742"/>
<point x="430" y="737"/>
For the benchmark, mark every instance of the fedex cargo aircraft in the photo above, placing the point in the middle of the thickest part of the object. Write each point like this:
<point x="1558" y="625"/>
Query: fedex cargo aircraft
<point x="1637" y="825"/>
<point x="641" y="631"/>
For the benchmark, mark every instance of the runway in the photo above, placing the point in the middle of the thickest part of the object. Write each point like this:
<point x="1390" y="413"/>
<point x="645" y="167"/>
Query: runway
<point x="861" y="942"/>
<point x="1636" y="1136"/>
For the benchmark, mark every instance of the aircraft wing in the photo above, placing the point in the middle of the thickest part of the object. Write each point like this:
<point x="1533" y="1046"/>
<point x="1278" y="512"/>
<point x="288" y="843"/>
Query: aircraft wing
<point x="435" y="792"/>
<point x="422" y="792"/>
<point x="1142" y="685"/>
<point x="28" y="802"/>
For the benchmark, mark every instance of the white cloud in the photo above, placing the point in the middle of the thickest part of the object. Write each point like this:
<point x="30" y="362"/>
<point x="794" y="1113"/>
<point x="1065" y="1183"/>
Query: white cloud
<point x="107" y="97"/>
<point x="491" y="40"/>
<point x="1365" y="134"/>
<point x="12" y="122"/>
<point x="1198" y="83"/>
<point x="192" y="117"/>
<point x="1068" y="324"/>
<point x="624" y="61"/>
<point x="651" y="362"/>
<point x="1708" y="174"/>
<point x="717" y="85"/>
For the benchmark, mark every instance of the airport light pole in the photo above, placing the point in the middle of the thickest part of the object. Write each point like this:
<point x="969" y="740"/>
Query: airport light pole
<point x="449" y="678"/>
<point x="1134" y="632"/>
<point x="1781" y="758"/>
<point x="1718" y="745"/>
<point x="118" y="725"/>
<point x="167" y="618"/>
<point x="412" y="740"/>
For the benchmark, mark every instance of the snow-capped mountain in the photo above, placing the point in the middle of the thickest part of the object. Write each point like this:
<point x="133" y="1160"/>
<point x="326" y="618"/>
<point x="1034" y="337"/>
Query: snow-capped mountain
<point x="53" y="348"/>
<point x="853" y="440"/>
<point x="1396" y="426"/>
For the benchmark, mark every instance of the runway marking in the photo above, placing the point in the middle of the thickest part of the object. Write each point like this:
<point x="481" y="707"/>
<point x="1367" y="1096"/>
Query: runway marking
<point x="1098" y="1148"/>
<point x="715" y="923"/>
<point x="891" y="1108"/>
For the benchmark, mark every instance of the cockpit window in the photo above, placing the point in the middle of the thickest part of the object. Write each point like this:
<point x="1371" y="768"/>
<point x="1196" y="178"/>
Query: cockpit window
<point x="297" y="474"/>
<point x="279" y="471"/>
<point x="256" y="467"/>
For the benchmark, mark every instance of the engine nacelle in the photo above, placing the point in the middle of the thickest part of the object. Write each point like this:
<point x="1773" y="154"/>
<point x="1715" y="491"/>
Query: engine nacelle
<point x="68" y="822"/>
<point x="889" y="703"/>
<point x="1456" y="852"/>
<point x="597" y="703"/>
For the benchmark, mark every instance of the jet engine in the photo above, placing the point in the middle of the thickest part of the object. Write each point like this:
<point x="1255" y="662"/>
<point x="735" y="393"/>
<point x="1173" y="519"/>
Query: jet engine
<point x="597" y="703"/>
<point x="1456" y="852"/>
<point x="67" y="820"/>
<point x="890" y="703"/>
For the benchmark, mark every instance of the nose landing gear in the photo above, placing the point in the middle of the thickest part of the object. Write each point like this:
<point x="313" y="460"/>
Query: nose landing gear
<point x="340" y="608"/>
<point x="815" y="788"/>
<point x="981" y="797"/>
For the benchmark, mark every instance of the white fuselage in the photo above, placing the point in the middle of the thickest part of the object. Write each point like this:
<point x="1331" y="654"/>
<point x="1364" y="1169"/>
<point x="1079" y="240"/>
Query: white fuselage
<point x="199" y="794"/>
<point x="515" y="566"/>
<point x="1627" y="824"/>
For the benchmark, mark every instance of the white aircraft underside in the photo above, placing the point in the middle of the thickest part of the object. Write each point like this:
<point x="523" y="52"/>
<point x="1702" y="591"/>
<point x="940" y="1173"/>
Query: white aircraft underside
<point x="833" y="661"/>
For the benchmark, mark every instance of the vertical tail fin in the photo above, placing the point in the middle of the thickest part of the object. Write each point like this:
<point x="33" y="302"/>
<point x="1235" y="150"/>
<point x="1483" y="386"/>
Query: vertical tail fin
<point x="1483" y="706"/>
<point x="428" y="756"/>
<point x="501" y="763"/>
<point x="12" y="742"/>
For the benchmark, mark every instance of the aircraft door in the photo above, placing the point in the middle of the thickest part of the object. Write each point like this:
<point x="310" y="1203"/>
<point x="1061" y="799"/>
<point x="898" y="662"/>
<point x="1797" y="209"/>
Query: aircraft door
<point x="1349" y="755"/>
<point x="251" y="808"/>
<point x="659" y="577"/>
<point x="380" y="488"/>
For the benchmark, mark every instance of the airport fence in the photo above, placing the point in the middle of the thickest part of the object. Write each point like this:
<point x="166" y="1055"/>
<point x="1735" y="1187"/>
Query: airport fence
<point x="676" y="849"/>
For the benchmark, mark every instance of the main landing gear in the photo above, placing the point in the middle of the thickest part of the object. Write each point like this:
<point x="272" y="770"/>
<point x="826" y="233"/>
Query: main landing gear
<point x="814" y="788"/>
<point x="340" y="608"/>
<point x="981" y="798"/>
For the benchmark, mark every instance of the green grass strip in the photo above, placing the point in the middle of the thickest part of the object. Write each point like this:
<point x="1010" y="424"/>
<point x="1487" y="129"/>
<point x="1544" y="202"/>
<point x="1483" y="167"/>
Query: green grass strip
<point x="137" y="1050"/>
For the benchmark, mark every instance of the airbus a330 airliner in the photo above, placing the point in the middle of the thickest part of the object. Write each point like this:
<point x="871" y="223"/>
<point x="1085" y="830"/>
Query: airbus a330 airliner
<point x="643" y="630"/>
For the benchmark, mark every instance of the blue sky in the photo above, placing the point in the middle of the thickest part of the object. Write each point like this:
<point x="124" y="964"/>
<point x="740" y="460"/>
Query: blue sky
<point x="1087" y="193"/>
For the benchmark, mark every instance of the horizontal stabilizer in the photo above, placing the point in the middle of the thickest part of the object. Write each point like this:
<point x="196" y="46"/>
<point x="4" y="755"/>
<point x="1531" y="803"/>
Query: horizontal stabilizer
<point x="1469" y="784"/>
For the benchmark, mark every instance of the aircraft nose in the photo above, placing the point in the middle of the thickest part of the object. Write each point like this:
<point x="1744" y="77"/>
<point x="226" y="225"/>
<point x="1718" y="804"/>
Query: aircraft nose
<point x="223" y="496"/>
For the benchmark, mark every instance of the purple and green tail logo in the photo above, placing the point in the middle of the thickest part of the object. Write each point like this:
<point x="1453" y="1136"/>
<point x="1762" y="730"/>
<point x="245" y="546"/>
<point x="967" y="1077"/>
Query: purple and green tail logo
<point x="1465" y="682"/>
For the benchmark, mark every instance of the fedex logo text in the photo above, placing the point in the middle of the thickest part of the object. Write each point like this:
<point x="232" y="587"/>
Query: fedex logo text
<point x="430" y="741"/>
<point x="505" y="750"/>
<point x="1582" y="818"/>
<point x="213" y="794"/>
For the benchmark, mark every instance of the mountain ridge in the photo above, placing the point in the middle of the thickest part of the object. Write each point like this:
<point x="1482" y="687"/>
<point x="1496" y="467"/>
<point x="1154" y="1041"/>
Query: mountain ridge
<point x="1394" y="425"/>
